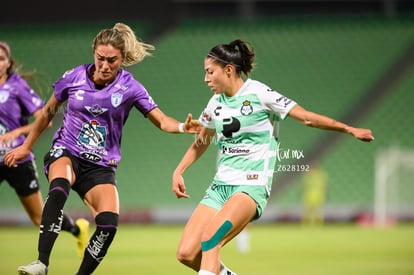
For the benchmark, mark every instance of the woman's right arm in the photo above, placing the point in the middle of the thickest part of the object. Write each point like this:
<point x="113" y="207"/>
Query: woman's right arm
<point x="194" y="152"/>
<point x="41" y="122"/>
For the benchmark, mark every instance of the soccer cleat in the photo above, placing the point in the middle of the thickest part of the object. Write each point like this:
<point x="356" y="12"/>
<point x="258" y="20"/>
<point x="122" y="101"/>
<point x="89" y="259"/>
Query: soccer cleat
<point x="229" y="272"/>
<point x="35" y="268"/>
<point x="225" y="271"/>
<point x="83" y="237"/>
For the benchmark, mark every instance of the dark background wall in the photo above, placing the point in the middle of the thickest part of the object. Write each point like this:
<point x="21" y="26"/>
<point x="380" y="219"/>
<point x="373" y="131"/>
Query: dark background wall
<point x="161" y="15"/>
<point x="168" y="10"/>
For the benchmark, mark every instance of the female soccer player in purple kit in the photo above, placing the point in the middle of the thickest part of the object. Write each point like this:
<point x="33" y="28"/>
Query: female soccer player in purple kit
<point x="86" y="148"/>
<point x="18" y="102"/>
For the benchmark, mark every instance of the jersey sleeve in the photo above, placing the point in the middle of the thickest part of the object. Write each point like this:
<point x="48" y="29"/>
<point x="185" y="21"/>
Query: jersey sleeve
<point x="143" y="101"/>
<point x="277" y="103"/>
<point x="60" y="86"/>
<point x="29" y="100"/>
<point x="206" y="116"/>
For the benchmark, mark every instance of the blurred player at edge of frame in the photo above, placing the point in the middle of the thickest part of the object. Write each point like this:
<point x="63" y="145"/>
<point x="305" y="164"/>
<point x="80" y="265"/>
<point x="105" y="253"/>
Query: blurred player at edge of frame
<point x="18" y="96"/>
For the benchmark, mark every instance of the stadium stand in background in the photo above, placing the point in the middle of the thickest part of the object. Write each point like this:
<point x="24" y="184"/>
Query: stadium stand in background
<point x="357" y="68"/>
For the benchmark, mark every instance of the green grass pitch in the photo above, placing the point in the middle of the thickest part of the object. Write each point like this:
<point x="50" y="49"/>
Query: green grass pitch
<point x="274" y="249"/>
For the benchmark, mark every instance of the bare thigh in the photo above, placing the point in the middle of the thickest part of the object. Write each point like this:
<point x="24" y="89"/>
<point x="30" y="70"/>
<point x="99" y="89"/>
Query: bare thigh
<point x="191" y="238"/>
<point x="62" y="168"/>
<point x="102" y="198"/>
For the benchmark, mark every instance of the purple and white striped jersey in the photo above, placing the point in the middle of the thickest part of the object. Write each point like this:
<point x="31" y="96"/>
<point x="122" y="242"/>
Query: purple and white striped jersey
<point x="18" y="102"/>
<point x="94" y="118"/>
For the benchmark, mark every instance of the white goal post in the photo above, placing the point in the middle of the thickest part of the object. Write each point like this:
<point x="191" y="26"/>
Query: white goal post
<point x="394" y="185"/>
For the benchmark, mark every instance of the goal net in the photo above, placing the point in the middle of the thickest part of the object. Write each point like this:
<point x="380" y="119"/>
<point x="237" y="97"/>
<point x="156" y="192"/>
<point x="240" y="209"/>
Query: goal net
<point x="394" y="186"/>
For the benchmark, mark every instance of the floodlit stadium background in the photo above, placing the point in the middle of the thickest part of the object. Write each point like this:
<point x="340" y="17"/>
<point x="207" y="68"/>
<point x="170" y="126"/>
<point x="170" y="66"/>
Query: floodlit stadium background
<point x="351" y="61"/>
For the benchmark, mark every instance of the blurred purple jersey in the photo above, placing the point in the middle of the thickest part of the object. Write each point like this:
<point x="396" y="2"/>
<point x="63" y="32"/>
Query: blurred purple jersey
<point x="94" y="118"/>
<point x="18" y="102"/>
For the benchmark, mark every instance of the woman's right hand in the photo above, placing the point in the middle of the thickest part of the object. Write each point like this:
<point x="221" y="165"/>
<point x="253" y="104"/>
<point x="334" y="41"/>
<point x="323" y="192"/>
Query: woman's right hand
<point x="17" y="154"/>
<point x="178" y="186"/>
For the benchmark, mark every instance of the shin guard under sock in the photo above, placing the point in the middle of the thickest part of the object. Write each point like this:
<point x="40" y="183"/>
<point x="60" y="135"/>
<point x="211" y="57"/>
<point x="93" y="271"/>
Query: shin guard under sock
<point x="52" y="217"/>
<point x="106" y="226"/>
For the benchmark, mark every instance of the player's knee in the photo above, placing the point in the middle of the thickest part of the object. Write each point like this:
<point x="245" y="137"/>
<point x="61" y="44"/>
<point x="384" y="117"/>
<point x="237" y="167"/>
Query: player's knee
<point x="107" y="220"/>
<point x="187" y="255"/>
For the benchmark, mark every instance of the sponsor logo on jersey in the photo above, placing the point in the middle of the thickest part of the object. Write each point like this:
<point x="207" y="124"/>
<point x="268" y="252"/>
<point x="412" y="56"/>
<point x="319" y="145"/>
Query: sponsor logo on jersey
<point x="96" y="110"/>
<point x="121" y="87"/>
<point x="68" y="72"/>
<point x="33" y="184"/>
<point x="252" y="176"/>
<point x="231" y="125"/>
<point x="113" y="162"/>
<point x="151" y="100"/>
<point x="205" y="117"/>
<point x="283" y="101"/>
<point x="36" y="101"/>
<point x="91" y="156"/>
<point x="92" y="134"/>
<point x="217" y="110"/>
<point x="79" y="94"/>
<point x="80" y="82"/>
<point x="56" y="151"/>
<point x="234" y="150"/>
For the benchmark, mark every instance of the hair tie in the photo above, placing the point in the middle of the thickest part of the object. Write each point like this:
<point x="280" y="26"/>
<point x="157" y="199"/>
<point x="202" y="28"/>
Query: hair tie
<point x="212" y="55"/>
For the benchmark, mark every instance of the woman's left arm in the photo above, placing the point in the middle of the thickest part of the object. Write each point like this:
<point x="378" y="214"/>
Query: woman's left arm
<point x="9" y="137"/>
<point x="315" y="120"/>
<point x="171" y="125"/>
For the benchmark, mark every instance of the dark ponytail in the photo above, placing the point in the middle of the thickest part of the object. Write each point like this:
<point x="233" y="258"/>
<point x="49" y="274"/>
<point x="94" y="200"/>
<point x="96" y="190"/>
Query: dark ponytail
<point x="238" y="53"/>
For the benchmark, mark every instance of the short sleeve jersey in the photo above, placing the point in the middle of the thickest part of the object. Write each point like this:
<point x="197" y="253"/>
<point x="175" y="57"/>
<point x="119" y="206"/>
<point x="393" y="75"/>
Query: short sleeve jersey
<point x="18" y="102"/>
<point x="94" y="118"/>
<point x="246" y="127"/>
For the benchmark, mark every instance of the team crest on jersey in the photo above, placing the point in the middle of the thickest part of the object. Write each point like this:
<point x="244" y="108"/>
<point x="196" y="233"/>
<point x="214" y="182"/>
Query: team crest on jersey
<point x="247" y="108"/>
<point x="4" y="95"/>
<point x="92" y="134"/>
<point x="116" y="99"/>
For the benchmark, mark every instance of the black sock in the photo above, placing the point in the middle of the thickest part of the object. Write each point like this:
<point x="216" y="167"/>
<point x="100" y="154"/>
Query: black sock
<point x="52" y="217"/>
<point x="69" y="225"/>
<point x="106" y="226"/>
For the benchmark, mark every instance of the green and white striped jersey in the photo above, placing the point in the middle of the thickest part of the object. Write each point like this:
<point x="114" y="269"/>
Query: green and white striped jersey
<point x="246" y="127"/>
